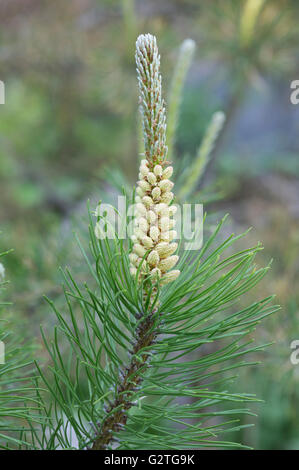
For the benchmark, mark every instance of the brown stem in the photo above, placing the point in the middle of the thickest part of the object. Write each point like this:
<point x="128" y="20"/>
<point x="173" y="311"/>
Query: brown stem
<point x="130" y="381"/>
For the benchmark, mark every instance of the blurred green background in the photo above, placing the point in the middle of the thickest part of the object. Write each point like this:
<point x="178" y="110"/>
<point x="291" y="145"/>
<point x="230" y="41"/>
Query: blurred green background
<point x="69" y="127"/>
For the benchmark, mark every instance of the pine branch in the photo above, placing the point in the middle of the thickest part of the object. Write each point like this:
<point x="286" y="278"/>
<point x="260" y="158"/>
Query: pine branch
<point x="131" y="332"/>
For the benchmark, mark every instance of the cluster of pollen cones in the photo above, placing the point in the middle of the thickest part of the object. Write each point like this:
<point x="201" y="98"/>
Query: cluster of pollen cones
<point x="153" y="246"/>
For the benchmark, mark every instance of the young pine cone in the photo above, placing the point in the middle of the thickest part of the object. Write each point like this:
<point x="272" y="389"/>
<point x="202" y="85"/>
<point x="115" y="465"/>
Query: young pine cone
<point x="153" y="248"/>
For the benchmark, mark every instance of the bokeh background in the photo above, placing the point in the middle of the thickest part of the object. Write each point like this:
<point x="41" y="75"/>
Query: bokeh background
<point x="68" y="133"/>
